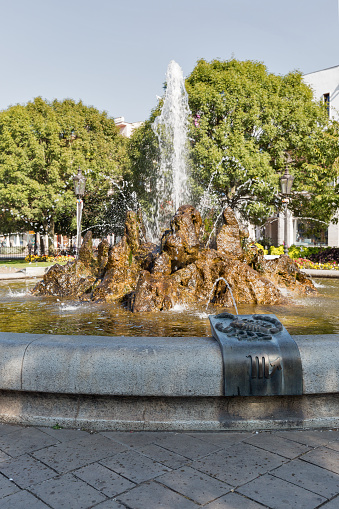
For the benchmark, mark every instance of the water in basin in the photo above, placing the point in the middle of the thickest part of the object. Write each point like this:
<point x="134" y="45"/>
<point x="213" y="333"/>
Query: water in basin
<point x="22" y="312"/>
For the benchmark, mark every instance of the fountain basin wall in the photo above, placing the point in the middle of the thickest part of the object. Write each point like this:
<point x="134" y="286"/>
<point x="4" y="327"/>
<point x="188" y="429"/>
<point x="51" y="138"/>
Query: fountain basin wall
<point x="133" y="383"/>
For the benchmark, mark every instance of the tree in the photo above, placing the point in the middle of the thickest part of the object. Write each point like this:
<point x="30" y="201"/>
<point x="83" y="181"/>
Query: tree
<point x="144" y="160"/>
<point x="41" y="146"/>
<point x="247" y="126"/>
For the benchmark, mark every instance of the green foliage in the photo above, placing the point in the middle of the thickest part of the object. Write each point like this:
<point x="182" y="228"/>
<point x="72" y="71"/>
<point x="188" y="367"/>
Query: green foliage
<point x="276" y="250"/>
<point x="41" y="146"/>
<point x="295" y="252"/>
<point x="57" y="426"/>
<point x="247" y="126"/>
<point x="144" y="158"/>
<point x="260" y="247"/>
<point x="315" y="254"/>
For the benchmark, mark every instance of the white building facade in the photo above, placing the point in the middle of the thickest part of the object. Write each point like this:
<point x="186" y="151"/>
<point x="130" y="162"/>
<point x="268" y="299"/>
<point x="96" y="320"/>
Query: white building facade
<point x="325" y="86"/>
<point x="126" y="128"/>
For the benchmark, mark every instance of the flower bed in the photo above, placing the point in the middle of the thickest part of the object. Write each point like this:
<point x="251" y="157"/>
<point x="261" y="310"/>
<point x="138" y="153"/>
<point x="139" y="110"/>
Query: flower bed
<point x="46" y="258"/>
<point x="304" y="263"/>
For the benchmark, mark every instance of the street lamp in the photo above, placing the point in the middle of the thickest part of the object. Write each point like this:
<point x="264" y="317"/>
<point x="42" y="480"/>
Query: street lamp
<point x="79" y="189"/>
<point x="286" y="182"/>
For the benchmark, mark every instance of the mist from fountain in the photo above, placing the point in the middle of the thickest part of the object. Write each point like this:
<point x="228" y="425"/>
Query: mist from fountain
<point x="171" y="130"/>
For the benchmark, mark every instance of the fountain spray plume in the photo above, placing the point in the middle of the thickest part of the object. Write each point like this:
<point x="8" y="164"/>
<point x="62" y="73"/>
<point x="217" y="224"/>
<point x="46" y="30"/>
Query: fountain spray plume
<point x="171" y="130"/>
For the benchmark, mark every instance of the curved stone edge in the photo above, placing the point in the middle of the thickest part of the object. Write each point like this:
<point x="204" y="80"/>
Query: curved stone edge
<point x="142" y="366"/>
<point x="320" y="363"/>
<point x="321" y="273"/>
<point x="129" y="383"/>
<point x="170" y="414"/>
<point x="108" y="365"/>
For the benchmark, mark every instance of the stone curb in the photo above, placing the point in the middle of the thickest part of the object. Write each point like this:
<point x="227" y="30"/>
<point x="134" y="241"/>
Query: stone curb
<point x="28" y="272"/>
<point x="153" y="383"/>
<point x="321" y="273"/>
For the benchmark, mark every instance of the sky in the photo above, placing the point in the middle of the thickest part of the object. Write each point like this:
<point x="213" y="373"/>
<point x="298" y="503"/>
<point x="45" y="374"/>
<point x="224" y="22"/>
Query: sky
<point x="113" y="55"/>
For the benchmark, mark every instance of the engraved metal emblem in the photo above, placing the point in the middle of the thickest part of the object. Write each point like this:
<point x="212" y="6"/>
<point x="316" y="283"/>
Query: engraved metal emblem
<point x="258" y="327"/>
<point x="259" y="356"/>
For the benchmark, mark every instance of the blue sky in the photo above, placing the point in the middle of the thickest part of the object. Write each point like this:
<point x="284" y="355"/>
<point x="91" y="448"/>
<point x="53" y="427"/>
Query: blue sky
<point x="114" y="54"/>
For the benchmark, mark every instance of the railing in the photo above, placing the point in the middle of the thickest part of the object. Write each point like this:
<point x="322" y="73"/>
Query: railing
<point x="20" y="253"/>
<point x="8" y="253"/>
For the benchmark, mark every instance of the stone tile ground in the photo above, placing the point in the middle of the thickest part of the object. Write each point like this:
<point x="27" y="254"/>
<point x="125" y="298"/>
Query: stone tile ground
<point x="44" y="468"/>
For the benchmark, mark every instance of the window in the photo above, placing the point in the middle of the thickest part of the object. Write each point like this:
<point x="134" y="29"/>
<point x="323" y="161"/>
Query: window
<point x="310" y="233"/>
<point x="326" y="98"/>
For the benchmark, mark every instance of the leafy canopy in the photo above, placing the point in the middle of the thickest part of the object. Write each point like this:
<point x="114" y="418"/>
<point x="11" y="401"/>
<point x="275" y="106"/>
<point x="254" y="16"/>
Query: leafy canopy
<point x="247" y="126"/>
<point x="42" y="144"/>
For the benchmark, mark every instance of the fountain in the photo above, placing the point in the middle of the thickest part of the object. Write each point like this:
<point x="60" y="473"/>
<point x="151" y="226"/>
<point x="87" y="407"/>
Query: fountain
<point x="230" y="290"/>
<point x="147" y="277"/>
<point x="181" y="268"/>
<point x="171" y="130"/>
<point x="156" y="383"/>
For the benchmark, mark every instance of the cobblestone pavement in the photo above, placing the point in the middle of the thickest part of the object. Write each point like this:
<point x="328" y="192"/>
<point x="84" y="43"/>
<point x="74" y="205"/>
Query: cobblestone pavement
<point x="76" y="469"/>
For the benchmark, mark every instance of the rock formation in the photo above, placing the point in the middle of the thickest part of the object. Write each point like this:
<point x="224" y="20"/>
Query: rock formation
<point x="147" y="277"/>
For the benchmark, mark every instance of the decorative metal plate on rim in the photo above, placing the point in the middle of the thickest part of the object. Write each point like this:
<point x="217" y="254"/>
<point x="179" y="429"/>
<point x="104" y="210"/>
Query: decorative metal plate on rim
<point x="259" y="356"/>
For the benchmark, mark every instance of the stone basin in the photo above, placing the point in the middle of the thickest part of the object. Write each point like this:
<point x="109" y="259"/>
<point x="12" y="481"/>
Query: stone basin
<point x="129" y="383"/>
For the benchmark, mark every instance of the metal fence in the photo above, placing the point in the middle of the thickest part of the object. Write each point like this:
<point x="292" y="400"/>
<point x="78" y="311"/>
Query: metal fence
<point x="20" y="253"/>
<point x="9" y="253"/>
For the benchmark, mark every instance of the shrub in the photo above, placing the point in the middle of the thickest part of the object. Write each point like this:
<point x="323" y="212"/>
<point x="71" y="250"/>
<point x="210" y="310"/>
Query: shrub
<point x="276" y="250"/>
<point x="259" y="246"/>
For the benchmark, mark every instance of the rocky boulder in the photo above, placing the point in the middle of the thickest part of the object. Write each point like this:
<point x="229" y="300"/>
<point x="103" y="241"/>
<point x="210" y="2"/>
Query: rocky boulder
<point x="228" y="239"/>
<point x="182" y="243"/>
<point x="150" y="277"/>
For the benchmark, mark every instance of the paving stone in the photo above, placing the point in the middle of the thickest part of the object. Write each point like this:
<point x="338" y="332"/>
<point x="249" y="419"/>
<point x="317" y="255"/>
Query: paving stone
<point x="25" y="470"/>
<point x="323" y="457"/>
<point x="312" y="438"/>
<point x="195" y="485"/>
<point x="279" y="494"/>
<point x="66" y="491"/>
<point x="65" y="435"/>
<point x="333" y="445"/>
<point x="110" y="504"/>
<point x="7" y="487"/>
<point x="9" y="428"/>
<point x="186" y="445"/>
<point x="4" y="456"/>
<point x="222" y="439"/>
<point x="278" y="445"/>
<point x="332" y="504"/>
<point x="136" y="467"/>
<point x="309" y="476"/>
<point x="168" y="458"/>
<point x="103" y="479"/>
<point x="152" y="495"/>
<point x="22" y="500"/>
<point x="66" y="456"/>
<point x="233" y="501"/>
<point x="238" y="464"/>
<point x="135" y="438"/>
<point x="24" y="440"/>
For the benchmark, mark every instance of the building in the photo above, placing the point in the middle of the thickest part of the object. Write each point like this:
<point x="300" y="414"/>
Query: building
<point x="126" y="128"/>
<point x="325" y="86"/>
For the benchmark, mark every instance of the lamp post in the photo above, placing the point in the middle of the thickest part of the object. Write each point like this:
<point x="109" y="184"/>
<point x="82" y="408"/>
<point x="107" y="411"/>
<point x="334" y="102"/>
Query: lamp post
<point x="286" y="182"/>
<point x="79" y="189"/>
